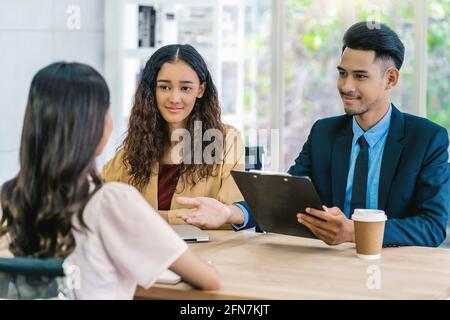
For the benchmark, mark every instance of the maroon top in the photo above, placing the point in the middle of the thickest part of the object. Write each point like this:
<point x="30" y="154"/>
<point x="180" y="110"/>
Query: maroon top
<point x="167" y="183"/>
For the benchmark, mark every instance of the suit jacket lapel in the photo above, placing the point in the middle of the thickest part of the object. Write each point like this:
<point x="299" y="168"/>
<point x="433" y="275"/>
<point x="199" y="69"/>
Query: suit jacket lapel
<point x="340" y="164"/>
<point x="392" y="152"/>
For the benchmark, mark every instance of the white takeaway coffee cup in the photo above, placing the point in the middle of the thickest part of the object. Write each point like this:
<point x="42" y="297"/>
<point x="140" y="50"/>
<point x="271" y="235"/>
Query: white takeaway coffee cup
<point x="369" y="232"/>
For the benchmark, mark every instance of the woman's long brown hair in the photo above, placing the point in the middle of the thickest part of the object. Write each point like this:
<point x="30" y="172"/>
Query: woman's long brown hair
<point x="63" y="126"/>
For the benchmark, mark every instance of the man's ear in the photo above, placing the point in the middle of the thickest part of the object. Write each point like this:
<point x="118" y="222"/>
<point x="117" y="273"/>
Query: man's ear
<point x="392" y="74"/>
<point x="201" y="89"/>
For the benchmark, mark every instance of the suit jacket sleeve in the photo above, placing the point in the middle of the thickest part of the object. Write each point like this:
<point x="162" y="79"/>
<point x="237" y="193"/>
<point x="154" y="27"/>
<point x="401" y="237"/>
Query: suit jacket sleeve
<point x="427" y="225"/>
<point x="251" y="221"/>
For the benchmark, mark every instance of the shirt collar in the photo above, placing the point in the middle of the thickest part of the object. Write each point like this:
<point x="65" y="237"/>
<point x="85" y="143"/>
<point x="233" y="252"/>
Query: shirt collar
<point x="374" y="134"/>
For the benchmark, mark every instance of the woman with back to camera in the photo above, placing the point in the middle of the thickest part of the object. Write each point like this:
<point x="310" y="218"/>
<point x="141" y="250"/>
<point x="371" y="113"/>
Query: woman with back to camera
<point x="57" y="207"/>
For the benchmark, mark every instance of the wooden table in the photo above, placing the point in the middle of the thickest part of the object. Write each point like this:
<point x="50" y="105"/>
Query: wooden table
<point x="270" y="266"/>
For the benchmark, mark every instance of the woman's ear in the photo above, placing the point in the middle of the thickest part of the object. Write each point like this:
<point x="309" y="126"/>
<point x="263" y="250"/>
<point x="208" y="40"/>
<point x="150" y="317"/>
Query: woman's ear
<point x="201" y="89"/>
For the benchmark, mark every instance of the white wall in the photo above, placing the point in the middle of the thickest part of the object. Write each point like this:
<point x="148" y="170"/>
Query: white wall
<point x="33" y="34"/>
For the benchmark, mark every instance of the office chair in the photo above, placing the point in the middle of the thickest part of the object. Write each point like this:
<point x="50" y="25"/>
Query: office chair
<point x="31" y="278"/>
<point x="254" y="160"/>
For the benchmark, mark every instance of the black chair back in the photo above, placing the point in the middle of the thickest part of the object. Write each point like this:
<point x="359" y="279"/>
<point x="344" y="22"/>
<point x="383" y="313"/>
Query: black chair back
<point x="30" y="278"/>
<point x="254" y="158"/>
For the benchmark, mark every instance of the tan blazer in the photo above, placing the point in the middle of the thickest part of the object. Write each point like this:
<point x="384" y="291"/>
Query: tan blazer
<point x="221" y="187"/>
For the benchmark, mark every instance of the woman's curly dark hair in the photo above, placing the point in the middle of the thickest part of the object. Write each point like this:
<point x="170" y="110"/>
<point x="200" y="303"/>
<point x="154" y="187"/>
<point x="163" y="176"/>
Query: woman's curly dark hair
<point x="63" y="126"/>
<point x="148" y="133"/>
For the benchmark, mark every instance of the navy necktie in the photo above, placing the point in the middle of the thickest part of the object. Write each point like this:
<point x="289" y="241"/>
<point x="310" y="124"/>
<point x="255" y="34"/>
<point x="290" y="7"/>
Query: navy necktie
<point x="359" y="189"/>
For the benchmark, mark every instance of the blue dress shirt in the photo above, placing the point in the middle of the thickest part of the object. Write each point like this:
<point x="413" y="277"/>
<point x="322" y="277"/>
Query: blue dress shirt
<point x="376" y="139"/>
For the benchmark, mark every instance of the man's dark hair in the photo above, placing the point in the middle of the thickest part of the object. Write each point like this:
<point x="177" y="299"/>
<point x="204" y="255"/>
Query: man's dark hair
<point x="367" y="35"/>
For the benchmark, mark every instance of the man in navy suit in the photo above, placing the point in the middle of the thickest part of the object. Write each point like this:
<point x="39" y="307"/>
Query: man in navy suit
<point x="373" y="157"/>
<point x="407" y="168"/>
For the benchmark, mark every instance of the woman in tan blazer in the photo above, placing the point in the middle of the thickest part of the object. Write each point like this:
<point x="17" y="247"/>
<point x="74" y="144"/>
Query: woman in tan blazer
<point x="176" y="145"/>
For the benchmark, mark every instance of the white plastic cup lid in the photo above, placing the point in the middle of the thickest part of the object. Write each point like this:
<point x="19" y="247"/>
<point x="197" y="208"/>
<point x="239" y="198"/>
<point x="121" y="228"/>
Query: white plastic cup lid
<point x="369" y="215"/>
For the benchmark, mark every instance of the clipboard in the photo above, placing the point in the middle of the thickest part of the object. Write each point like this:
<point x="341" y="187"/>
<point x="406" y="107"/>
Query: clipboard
<point x="275" y="199"/>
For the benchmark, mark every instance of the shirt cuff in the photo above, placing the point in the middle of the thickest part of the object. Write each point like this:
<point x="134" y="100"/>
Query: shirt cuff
<point x="238" y="227"/>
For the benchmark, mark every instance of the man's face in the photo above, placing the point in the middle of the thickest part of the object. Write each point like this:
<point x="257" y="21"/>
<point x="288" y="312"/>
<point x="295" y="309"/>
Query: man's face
<point x="362" y="81"/>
